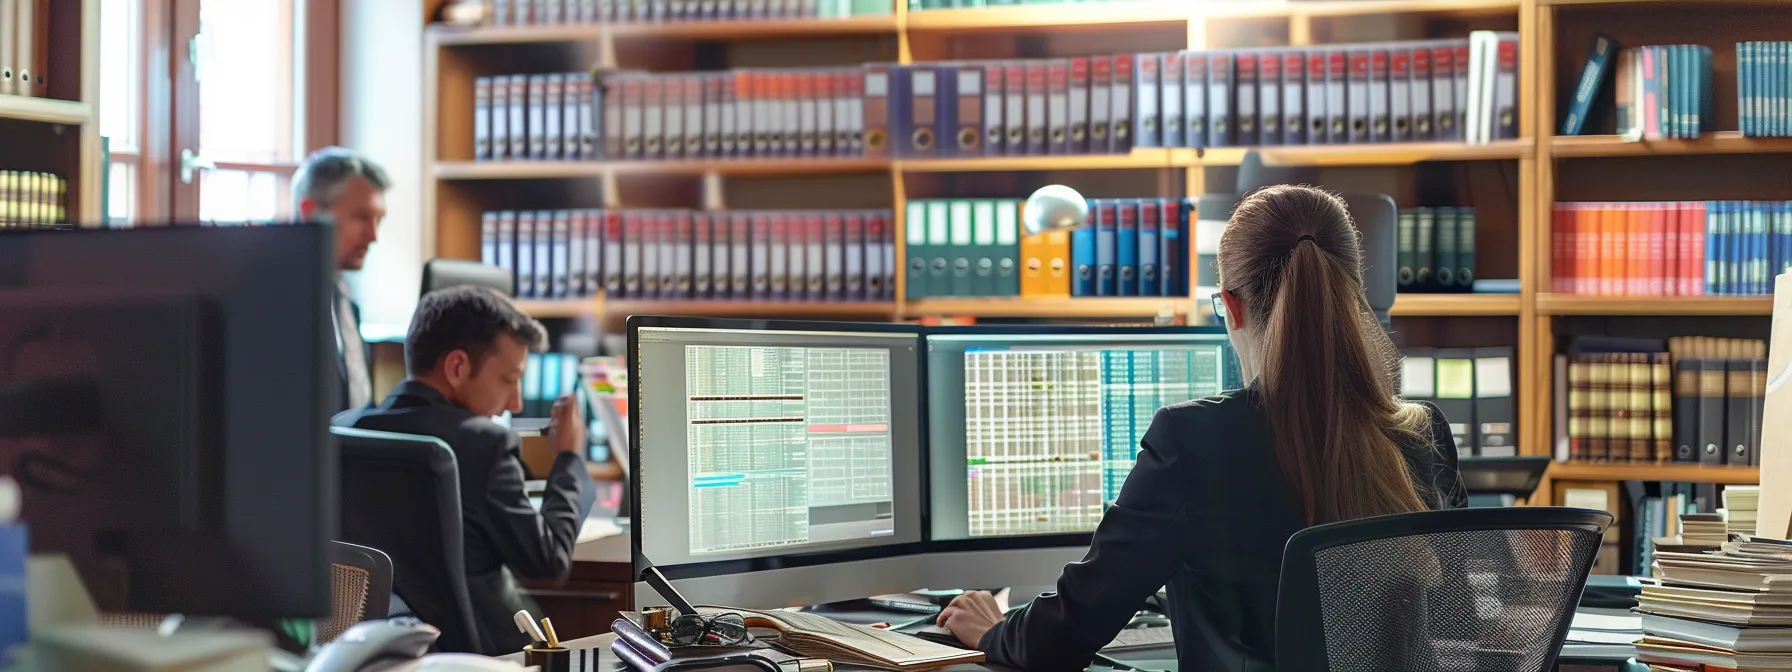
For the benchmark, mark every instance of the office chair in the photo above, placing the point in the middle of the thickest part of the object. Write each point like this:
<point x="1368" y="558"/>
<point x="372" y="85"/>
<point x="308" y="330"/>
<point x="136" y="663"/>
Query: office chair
<point x="360" y="588"/>
<point x="401" y="494"/>
<point x="1464" y="589"/>
<point x="444" y="273"/>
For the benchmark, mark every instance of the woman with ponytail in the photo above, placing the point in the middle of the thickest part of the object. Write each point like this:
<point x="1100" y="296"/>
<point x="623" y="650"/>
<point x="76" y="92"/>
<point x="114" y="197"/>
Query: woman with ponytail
<point x="1317" y="435"/>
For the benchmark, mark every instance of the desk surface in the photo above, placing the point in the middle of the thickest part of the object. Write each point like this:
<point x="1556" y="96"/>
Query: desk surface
<point x="609" y="662"/>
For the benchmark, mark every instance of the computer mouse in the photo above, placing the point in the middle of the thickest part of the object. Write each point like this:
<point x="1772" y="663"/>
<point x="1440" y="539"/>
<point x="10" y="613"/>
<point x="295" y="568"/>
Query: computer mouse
<point x="370" y="641"/>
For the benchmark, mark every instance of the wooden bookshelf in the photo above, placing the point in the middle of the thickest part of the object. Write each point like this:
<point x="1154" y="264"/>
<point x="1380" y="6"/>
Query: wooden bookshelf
<point x="59" y="133"/>
<point x="46" y="110"/>
<point x="1455" y="305"/>
<point x="1513" y="183"/>
<point x="1050" y="307"/>
<point x="1570" y="304"/>
<point x="1395" y="154"/>
<point x="540" y="308"/>
<point x="1720" y="142"/>
<point x="873" y="311"/>
<point x="1670" y="471"/>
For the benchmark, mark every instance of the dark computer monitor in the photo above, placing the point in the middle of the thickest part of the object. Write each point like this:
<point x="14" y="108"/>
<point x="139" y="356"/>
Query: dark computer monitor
<point x="1032" y="430"/>
<point x="165" y="397"/>
<point x="1375" y="215"/>
<point x="776" y="463"/>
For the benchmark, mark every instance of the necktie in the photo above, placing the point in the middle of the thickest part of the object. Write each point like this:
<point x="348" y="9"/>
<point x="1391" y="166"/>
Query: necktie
<point x="354" y="358"/>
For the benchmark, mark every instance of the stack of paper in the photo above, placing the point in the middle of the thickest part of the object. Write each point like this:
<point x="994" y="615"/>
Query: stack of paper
<point x="1730" y="608"/>
<point x="1741" y="503"/>
<point x="1703" y="529"/>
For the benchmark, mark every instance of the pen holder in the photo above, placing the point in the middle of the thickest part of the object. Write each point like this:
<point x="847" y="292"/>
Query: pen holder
<point x="548" y="658"/>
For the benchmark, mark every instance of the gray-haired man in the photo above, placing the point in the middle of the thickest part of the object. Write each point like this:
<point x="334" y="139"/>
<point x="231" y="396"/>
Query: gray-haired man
<point x="340" y="187"/>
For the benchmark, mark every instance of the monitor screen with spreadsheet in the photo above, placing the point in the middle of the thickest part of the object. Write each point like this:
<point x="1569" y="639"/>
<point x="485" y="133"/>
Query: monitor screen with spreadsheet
<point x="1032" y="430"/>
<point x="758" y="443"/>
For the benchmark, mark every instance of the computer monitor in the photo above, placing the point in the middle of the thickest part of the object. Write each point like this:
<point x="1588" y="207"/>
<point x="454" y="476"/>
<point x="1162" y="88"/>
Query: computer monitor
<point x="165" y="397"/>
<point x="790" y="451"/>
<point x="1032" y="431"/>
<point x="442" y="273"/>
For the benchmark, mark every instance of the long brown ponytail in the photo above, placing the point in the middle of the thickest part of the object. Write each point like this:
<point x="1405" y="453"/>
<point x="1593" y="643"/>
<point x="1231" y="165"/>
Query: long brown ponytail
<point x="1292" y="255"/>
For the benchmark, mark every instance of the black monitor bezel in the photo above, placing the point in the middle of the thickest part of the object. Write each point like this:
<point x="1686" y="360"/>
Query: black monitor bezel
<point x="1035" y="541"/>
<point x="783" y="561"/>
<point x="927" y="544"/>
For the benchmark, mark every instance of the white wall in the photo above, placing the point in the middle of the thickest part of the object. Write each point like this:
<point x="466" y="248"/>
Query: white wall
<point x="382" y="99"/>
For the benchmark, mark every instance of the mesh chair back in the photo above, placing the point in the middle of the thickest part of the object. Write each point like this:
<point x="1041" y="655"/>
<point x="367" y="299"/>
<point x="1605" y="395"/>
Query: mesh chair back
<point x="360" y="588"/>
<point x="401" y="494"/>
<point x="1467" y="589"/>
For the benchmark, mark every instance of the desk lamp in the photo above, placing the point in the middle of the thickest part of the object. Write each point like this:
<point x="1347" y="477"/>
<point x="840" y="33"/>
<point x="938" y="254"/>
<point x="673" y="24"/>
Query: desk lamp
<point x="1054" y="207"/>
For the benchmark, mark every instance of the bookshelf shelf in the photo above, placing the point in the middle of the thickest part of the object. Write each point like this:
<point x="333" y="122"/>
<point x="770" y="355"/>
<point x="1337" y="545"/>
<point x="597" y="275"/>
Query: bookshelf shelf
<point x="1036" y="16"/>
<point x="751" y="29"/>
<point x="485" y="35"/>
<point x="518" y="170"/>
<point x="46" y="110"/>
<point x="1398" y="154"/>
<point x="1139" y="158"/>
<point x="539" y="308"/>
<point x="809" y="310"/>
<point x="1620" y="471"/>
<point x="1452" y="8"/>
<point x="1454" y="305"/>
<point x="1569" y="304"/>
<point x="1049" y="307"/>
<point x="769" y="167"/>
<point x="1721" y="142"/>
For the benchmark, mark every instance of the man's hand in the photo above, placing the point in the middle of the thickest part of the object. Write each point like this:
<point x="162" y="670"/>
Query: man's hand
<point x="566" y="427"/>
<point x="970" y="615"/>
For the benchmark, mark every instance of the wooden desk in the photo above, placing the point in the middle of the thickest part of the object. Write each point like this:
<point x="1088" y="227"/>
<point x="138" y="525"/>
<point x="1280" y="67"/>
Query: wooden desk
<point x="600" y="587"/>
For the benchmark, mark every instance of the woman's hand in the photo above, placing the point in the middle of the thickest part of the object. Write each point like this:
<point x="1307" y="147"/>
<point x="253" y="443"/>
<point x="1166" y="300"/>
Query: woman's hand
<point x="970" y="615"/>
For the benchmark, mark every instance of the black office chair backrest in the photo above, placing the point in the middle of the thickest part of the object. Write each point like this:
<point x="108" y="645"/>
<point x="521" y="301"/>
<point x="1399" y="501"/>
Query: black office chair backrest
<point x="444" y="273"/>
<point x="401" y="495"/>
<point x="1465" y="589"/>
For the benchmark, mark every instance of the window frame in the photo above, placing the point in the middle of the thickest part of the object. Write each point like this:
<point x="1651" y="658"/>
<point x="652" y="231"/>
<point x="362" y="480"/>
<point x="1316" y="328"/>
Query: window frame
<point x="168" y="106"/>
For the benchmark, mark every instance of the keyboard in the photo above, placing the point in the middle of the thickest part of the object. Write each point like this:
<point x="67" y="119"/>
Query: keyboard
<point x="1141" y="638"/>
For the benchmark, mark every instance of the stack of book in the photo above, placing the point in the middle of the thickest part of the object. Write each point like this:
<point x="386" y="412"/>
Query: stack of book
<point x="30" y="199"/>
<point x="1630" y="400"/>
<point x="1730" y="609"/>
<point x="673" y="254"/>
<point x="1703" y="529"/>
<point x="1461" y="90"/>
<point x="1665" y="91"/>
<point x="973" y="247"/>
<point x="1436" y="249"/>
<point x="563" y="12"/>
<point x="1741" y="503"/>
<point x="1762" y="69"/>
<point x="24" y="47"/>
<point x="1676" y="248"/>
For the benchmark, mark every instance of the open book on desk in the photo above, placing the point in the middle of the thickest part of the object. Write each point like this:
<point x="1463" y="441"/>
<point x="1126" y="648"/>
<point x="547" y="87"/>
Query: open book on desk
<point x="822" y="637"/>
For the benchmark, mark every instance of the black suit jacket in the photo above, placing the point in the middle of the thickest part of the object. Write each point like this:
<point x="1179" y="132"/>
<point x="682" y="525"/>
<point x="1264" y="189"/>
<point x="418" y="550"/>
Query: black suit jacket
<point x="1206" y="513"/>
<point x="504" y="534"/>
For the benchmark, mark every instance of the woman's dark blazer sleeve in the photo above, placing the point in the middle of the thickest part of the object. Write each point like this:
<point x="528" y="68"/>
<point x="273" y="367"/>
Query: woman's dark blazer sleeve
<point x="1137" y="548"/>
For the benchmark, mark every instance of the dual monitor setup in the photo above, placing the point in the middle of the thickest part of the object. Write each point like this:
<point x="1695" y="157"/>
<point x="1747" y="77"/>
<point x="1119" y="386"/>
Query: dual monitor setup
<point x="797" y="463"/>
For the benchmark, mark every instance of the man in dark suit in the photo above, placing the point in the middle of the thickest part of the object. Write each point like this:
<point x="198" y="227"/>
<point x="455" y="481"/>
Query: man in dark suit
<point x="339" y="187"/>
<point x="465" y="354"/>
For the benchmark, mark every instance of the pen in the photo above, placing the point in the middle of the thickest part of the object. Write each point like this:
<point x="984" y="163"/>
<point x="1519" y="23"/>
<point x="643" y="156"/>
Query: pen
<point x="548" y="626"/>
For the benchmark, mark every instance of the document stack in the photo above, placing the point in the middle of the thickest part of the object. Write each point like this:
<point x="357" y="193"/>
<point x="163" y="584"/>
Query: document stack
<point x="1740" y="505"/>
<point x="1729" y="609"/>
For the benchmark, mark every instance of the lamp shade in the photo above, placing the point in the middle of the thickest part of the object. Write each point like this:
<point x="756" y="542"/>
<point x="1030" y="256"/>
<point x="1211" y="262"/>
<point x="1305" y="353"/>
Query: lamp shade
<point x="1054" y="208"/>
